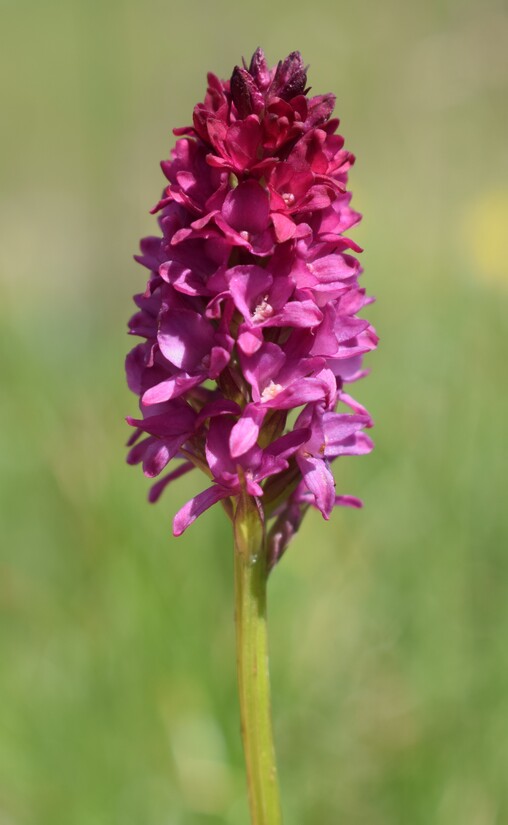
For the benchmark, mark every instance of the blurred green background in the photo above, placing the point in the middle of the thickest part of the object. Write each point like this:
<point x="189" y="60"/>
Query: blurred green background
<point x="388" y="625"/>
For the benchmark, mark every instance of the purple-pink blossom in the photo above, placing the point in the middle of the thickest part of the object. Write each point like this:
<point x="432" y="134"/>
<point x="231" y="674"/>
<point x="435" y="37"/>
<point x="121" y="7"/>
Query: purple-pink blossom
<point x="251" y="310"/>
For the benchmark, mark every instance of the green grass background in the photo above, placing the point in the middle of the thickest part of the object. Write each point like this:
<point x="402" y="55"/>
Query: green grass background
<point x="389" y="625"/>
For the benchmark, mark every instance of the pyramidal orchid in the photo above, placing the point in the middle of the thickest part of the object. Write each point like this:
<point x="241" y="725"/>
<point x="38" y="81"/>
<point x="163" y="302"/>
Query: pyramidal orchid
<point x="251" y="335"/>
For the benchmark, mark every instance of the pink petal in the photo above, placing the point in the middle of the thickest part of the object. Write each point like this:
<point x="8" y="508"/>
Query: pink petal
<point x="250" y="340"/>
<point x="246" y="208"/>
<point x="196" y="506"/>
<point x="334" y="267"/>
<point x="351" y="402"/>
<point x="262" y="367"/>
<point x="284" y="227"/>
<point x="158" y="455"/>
<point x="319" y="480"/>
<point x="180" y="419"/>
<point x="348" y="501"/>
<point x="302" y="392"/>
<point x="157" y="489"/>
<point x="170" y="388"/>
<point x="248" y="283"/>
<point x="135" y="455"/>
<point x="338" y="427"/>
<point x="358" y="444"/>
<point x="217" y="451"/>
<point x="246" y="430"/>
<point x="243" y="141"/>
<point x="184" y="337"/>
<point x="347" y="327"/>
<point x="221" y="406"/>
<point x="297" y="314"/>
<point x="287" y="444"/>
<point x="219" y="358"/>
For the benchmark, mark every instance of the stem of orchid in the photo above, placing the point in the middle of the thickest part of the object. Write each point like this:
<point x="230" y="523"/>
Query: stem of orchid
<point x="252" y="664"/>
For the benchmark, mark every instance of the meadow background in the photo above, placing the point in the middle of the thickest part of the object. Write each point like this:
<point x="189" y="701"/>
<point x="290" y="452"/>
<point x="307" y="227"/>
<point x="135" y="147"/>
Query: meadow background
<point x="389" y="625"/>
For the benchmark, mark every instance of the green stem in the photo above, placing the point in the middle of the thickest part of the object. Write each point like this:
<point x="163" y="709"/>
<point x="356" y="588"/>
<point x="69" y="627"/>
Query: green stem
<point x="252" y="665"/>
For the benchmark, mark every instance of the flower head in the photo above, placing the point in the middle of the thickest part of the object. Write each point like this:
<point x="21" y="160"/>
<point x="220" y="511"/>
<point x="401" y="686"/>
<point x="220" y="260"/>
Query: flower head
<point x="251" y="306"/>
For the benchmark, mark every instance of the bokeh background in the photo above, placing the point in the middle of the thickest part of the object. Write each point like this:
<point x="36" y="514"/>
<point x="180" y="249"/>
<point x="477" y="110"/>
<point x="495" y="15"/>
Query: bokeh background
<point x="388" y="625"/>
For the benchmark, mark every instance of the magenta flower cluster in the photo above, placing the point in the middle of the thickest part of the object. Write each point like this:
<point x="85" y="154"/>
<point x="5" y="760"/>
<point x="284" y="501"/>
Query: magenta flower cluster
<point x="250" y="314"/>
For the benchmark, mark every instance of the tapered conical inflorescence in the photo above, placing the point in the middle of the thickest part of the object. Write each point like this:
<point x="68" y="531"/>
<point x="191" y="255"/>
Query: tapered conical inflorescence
<point x="250" y="314"/>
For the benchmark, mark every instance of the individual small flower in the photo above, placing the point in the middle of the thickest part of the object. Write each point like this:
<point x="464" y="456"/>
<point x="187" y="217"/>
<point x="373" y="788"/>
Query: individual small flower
<point x="250" y="317"/>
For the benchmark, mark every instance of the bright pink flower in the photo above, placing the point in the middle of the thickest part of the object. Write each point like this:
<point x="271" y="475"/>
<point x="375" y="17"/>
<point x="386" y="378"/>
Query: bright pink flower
<point x="251" y="307"/>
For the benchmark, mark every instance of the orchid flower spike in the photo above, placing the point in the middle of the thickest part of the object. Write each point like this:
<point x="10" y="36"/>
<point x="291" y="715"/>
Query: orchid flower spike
<point x="251" y="310"/>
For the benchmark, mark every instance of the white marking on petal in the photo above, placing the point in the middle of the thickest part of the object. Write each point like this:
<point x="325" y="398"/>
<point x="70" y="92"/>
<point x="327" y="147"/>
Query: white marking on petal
<point x="271" y="391"/>
<point x="263" y="311"/>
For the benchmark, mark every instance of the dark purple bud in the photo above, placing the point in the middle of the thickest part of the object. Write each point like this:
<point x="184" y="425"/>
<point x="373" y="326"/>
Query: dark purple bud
<point x="259" y="70"/>
<point x="319" y="110"/>
<point x="290" y="78"/>
<point x="283" y="531"/>
<point x="245" y="93"/>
